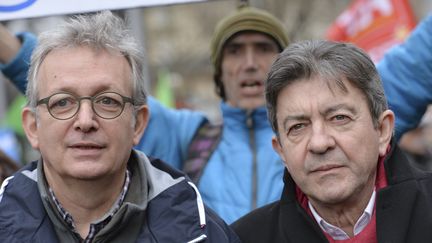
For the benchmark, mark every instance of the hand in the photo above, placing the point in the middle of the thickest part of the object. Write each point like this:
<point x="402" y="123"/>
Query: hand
<point x="9" y="45"/>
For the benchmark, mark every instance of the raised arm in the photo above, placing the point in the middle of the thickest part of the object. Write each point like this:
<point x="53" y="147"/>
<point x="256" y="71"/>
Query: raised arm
<point x="15" y="52"/>
<point x="169" y="132"/>
<point x="406" y="72"/>
<point x="9" y="45"/>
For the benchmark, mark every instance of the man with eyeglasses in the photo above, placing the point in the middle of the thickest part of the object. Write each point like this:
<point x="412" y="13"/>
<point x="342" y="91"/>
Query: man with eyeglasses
<point x="86" y="110"/>
<point x="234" y="165"/>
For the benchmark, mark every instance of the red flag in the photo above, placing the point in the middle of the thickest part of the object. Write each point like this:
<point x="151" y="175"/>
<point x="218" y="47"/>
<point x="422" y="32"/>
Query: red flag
<point x="374" y="25"/>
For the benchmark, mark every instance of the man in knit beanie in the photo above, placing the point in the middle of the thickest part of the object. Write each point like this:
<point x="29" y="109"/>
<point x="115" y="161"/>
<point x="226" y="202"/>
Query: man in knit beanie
<point x="234" y="165"/>
<point x="243" y="170"/>
<point x="247" y="33"/>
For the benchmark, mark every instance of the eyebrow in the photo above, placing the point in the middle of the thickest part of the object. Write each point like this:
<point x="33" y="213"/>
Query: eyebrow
<point x="95" y="90"/>
<point x="293" y="118"/>
<point x="337" y="107"/>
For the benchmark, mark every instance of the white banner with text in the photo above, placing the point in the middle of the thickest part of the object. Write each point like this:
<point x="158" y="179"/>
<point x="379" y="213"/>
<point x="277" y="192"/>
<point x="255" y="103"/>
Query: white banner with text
<point x="19" y="9"/>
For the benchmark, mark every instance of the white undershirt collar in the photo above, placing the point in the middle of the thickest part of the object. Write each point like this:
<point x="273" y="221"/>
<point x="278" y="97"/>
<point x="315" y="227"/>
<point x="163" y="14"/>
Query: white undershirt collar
<point x="337" y="233"/>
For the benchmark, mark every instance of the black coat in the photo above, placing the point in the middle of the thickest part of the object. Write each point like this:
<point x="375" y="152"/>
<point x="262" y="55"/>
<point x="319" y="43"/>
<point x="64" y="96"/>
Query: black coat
<point x="403" y="210"/>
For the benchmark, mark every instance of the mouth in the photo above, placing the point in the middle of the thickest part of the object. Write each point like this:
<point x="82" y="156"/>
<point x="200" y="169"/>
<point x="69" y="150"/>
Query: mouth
<point x="252" y="88"/>
<point x="325" y="168"/>
<point x="87" y="146"/>
<point x="252" y="83"/>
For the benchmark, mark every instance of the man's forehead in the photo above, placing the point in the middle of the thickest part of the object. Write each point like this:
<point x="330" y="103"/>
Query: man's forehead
<point x="331" y="94"/>
<point x="336" y="84"/>
<point x="313" y="87"/>
<point x="61" y="64"/>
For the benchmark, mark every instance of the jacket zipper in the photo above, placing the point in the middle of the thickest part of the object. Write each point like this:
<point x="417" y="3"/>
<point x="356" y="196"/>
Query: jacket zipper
<point x="250" y="125"/>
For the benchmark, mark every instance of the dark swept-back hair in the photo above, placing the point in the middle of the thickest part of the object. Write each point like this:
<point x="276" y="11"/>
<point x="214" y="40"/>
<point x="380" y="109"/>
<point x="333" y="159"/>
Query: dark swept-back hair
<point x="333" y="62"/>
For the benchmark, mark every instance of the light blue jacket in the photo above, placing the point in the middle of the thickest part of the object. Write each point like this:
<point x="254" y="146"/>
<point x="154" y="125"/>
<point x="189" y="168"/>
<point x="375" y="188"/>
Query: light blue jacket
<point x="244" y="172"/>
<point x="228" y="179"/>
<point x="406" y="72"/>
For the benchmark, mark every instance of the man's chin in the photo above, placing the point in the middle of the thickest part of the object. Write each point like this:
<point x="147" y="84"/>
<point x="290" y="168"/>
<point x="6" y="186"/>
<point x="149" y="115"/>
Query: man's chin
<point x="251" y="104"/>
<point x="89" y="172"/>
<point x="252" y="107"/>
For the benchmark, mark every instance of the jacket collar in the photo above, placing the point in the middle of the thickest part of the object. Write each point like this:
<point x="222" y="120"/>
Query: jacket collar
<point x="395" y="203"/>
<point x="303" y="228"/>
<point x="134" y="205"/>
<point x="235" y="116"/>
<point x="171" y="201"/>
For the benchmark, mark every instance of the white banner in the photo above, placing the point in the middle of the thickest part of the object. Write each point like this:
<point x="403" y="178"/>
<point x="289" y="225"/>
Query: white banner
<point x="18" y="9"/>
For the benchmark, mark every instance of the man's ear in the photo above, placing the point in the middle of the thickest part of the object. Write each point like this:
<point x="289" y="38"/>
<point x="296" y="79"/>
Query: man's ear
<point x="30" y="126"/>
<point x="277" y="147"/>
<point x="142" y="118"/>
<point x="385" y="130"/>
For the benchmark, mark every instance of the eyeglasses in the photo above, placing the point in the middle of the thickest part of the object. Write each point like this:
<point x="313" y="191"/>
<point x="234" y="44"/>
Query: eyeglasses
<point x="107" y="105"/>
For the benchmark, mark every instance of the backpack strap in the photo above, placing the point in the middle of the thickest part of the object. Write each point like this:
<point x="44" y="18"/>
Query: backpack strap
<point x="202" y="146"/>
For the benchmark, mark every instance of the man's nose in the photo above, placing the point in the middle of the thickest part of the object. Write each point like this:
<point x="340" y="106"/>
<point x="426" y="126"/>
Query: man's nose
<point x="85" y="119"/>
<point x="250" y="59"/>
<point x="320" y="139"/>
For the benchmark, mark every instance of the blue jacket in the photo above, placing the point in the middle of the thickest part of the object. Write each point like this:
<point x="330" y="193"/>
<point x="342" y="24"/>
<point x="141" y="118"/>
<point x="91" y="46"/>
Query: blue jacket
<point x="244" y="172"/>
<point x="406" y="72"/>
<point x="172" y="209"/>
<point x="227" y="181"/>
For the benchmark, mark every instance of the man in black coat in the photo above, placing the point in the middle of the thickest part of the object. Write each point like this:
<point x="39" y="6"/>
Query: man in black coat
<point x="345" y="180"/>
